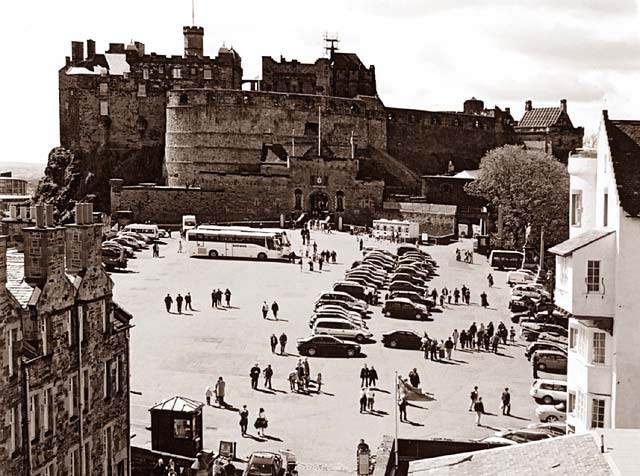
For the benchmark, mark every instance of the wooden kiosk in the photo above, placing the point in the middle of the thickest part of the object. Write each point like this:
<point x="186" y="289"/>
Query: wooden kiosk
<point x="176" y="426"/>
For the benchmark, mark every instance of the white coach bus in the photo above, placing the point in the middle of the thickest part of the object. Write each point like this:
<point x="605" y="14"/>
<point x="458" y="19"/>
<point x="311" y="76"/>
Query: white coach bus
<point x="279" y="232"/>
<point x="235" y="244"/>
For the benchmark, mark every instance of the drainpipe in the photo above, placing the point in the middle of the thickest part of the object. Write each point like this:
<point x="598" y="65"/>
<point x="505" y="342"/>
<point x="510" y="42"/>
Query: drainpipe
<point x="80" y="329"/>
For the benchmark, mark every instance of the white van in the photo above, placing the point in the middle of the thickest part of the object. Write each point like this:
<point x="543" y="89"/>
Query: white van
<point x="150" y="231"/>
<point x="520" y="277"/>
<point x="341" y="329"/>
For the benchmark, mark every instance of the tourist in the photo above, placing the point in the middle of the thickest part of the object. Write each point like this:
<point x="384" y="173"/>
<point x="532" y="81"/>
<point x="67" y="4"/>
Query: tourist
<point x="180" y="245"/>
<point x="334" y="256"/>
<point x="364" y="376"/>
<point x="474" y="398"/>
<point x="434" y="349"/>
<point x="455" y="336"/>
<point x="310" y="265"/>
<point x="208" y="394"/>
<point x="283" y="343"/>
<point x="490" y="280"/>
<point x="167" y="302"/>
<point x="414" y="378"/>
<point x="220" y="391"/>
<point x="187" y="302"/>
<point x="370" y="399"/>
<point x="490" y="329"/>
<point x="479" y="409"/>
<point x="265" y="309"/>
<point x="159" y="468"/>
<point x="512" y="335"/>
<point x="495" y="341"/>
<point x="244" y="420"/>
<point x="227" y="296"/>
<point x="463" y="339"/>
<point x="293" y="377"/>
<point x="274" y="309"/>
<point x="273" y="340"/>
<point x="320" y="261"/>
<point x="363" y="399"/>
<point x="506" y="402"/>
<point x="306" y="372"/>
<point x="254" y="373"/>
<point x="268" y="373"/>
<point x="483" y="300"/>
<point x="214" y="298"/>
<point x="261" y="422"/>
<point x="456" y="295"/>
<point x="402" y="405"/>
<point x="467" y="296"/>
<point x="179" y="300"/>
<point x="373" y="376"/>
<point x="319" y="383"/>
<point x="424" y="345"/>
<point x="448" y="347"/>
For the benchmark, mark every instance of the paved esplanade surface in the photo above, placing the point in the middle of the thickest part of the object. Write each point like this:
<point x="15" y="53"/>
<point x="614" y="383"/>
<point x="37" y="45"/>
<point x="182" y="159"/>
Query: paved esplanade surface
<point x="182" y="354"/>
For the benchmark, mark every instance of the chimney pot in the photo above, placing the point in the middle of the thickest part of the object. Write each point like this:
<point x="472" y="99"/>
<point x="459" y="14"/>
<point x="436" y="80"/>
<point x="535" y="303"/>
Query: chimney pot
<point x="40" y="216"/>
<point x="13" y="212"/>
<point x="91" y="49"/>
<point x="78" y="213"/>
<point x="49" y="215"/>
<point x="77" y="51"/>
<point x="24" y="214"/>
<point x="89" y="213"/>
<point x="528" y="105"/>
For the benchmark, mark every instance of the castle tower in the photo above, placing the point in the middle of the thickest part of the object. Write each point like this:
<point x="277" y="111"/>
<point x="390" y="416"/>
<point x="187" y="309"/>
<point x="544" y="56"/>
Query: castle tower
<point x="43" y="248"/>
<point x="193" y="41"/>
<point x="82" y="244"/>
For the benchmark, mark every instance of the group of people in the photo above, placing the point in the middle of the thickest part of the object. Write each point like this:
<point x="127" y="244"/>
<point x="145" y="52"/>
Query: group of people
<point x="274" y="309"/>
<point x="300" y="378"/>
<point x="477" y="405"/>
<point x="456" y="295"/>
<point x="216" y="297"/>
<point x="255" y="373"/>
<point x="260" y="423"/>
<point x="168" y="302"/>
<point x="368" y="376"/>
<point x="468" y="255"/>
<point x="486" y="337"/>
<point x="218" y="391"/>
<point x="161" y="469"/>
<point x="274" y="341"/>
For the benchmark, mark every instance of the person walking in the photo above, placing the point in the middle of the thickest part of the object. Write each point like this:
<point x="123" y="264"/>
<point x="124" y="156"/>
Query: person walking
<point x="220" y="390"/>
<point x="214" y="298"/>
<point x="364" y="376"/>
<point x="187" y="302"/>
<point x="373" y="376"/>
<point x="283" y="343"/>
<point x="227" y="297"/>
<point x="402" y="405"/>
<point x="265" y="309"/>
<point x="474" y="398"/>
<point x="179" y="300"/>
<point x="424" y="345"/>
<point x="180" y="245"/>
<point x="455" y="337"/>
<point x="275" y="308"/>
<point x="483" y="300"/>
<point x="273" y="340"/>
<point x="219" y="294"/>
<point x="320" y="261"/>
<point x="306" y="372"/>
<point x="167" y="302"/>
<point x="456" y="295"/>
<point x="463" y="339"/>
<point x="208" y="394"/>
<point x="268" y="373"/>
<point x="293" y="377"/>
<point x="363" y="400"/>
<point x="506" y="402"/>
<point x="370" y="399"/>
<point x="244" y="420"/>
<point x="512" y="335"/>
<point x="319" y="383"/>
<point x="490" y="280"/>
<point x="448" y="347"/>
<point x="414" y="378"/>
<point x="261" y="422"/>
<point x="254" y="373"/>
<point x="479" y="409"/>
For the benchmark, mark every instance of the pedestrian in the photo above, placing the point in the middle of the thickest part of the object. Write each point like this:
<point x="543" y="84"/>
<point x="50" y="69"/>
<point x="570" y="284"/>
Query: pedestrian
<point x="254" y="373"/>
<point x="363" y="399"/>
<point x="219" y="297"/>
<point x="402" y="405"/>
<point x="474" y="398"/>
<point x="455" y="336"/>
<point x="214" y="298"/>
<point x="167" y="302"/>
<point x="434" y="296"/>
<point x="361" y="244"/>
<point x="180" y="246"/>
<point x="306" y="372"/>
<point x="265" y="309"/>
<point x="512" y="335"/>
<point x="274" y="309"/>
<point x="495" y="341"/>
<point x="506" y="402"/>
<point x="414" y="378"/>
<point x="483" y="300"/>
<point x="449" y="299"/>
<point x="244" y="420"/>
<point x="319" y="383"/>
<point x="283" y="343"/>
<point x="490" y="280"/>
<point x="373" y="376"/>
<point x="159" y="468"/>
<point x="179" y="300"/>
<point x="220" y="391"/>
<point x="434" y="349"/>
<point x="463" y="339"/>
<point x="187" y="302"/>
<point x="268" y="373"/>
<point x="156" y="250"/>
<point x="370" y="399"/>
<point x="441" y="300"/>
<point x="456" y="295"/>
<point x="334" y="255"/>
<point x="315" y="247"/>
<point x="310" y="265"/>
<point x="320" y="261"/>
<point x="293" y="377"/>
<point x="448" y="347"/>
<point x="467" y="296"/>
<point x="424" y="345"/>
<point x="208" y="394"/>
<point x="261" y="422"/>
<point x="472" y="330"/>
<point x="364" y="376"/>
<point x="479" y="409"/>
<point x="227" y="297"/>
<point x="273" y="340"/>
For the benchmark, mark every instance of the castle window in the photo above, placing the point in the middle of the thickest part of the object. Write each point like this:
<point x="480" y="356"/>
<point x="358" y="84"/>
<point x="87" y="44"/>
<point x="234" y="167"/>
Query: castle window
<point x="176" y="73"/>
<point x="160" y="69"/>
<point x="355" y="109"/>
<point x="142" y="90"/>
<point x="477" y="124"/>
<point x="104" y="89"/>
<point x="435" y="120"/>
<point x="104" y="108"/>
<point x="194" y="71"/>
<point x="297" y="199"/>
<point x="207" y="73"/>
<point x="310" y="128"/>
<point x="145" y="73"/>
<point x="184" y="99"/>
<point x="340" y="201"/>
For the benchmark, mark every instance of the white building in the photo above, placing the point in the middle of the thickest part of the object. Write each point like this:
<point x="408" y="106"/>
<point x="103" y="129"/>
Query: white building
<point x="598" y="281"/>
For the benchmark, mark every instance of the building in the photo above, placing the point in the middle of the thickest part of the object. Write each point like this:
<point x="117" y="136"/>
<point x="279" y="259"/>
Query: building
<point x="549" y="129"/>
<point x="12" y="191"/>
<point x="597" y="272"/>
<point x="64" y="384"/>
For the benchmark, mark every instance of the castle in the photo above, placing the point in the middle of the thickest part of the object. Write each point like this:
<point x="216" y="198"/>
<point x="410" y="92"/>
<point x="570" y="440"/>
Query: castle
<point x="316" y="137"/>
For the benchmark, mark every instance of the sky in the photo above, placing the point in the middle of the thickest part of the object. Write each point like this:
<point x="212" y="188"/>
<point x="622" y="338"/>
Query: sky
<point x="428" y="54"/>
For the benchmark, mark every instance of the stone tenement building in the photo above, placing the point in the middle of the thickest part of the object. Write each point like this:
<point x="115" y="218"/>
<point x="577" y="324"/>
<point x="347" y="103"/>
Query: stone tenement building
<point x="123" y="112"/>
<point x="64" y="366"/>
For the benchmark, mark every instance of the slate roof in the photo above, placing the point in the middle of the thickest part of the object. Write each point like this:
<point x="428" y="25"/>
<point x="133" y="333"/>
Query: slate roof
<point x="562" y="456"/>
<point x="540" y="117"/>
<point x="574" y="244"/>
<point x="178" y="404"/>
<point x="347" y="60"/>
<point x="15" y="278"/>
<point x="270" y="150"/>
<point x="624" y="144"/>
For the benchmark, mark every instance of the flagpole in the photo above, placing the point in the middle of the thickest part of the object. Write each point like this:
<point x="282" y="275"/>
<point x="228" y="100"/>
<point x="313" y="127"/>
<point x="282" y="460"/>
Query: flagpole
<point x="319" y="131"/>
<point x="293" y="142"/>
<point x="395" y="413"/>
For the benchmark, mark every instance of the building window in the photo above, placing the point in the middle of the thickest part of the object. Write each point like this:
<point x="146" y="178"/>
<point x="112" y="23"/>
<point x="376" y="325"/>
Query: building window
<point x="116" y="374"/>
<point x="106" y="317"/>
<point x="605" y="210"/>
<point x="34" y="417"/>
<point x="340" y="201"/>
<point x="145" y="73"/>
<point x="74" y="462"/>
<point x="72" y="326"/>
<point x="597" y="413"/>
<point x="593" y="276"/>
<point x="207" y="73"/>
<point x="74" y="394"/>
<point x="562" y="272"/>
<point x="297" y="199"/>
<point x="573" y="337"/>
<point x="581" y="406"/>
<point x="86" y="397"/>
<point x="83" y="321"/>
<point x="142" y="90"/>
<point x="104" y="108"/>
<point x="194" y="71"/>
<point x="48" y="410"/>
<point x="599" y="339"/>
<point x="107" y="380"/>
<point x="49" y="469"/>
<point x="14" y="440"/>
<point x="576" y="208"/>
<point x="104" y="89"/>
<point x="176" y="73"/>
<point x="571" y="404"/>
<point x="311" y="129"/>
<point x="86" y="458"/>
<point x="108" y="449"/>
<point x="12" y="339"/>
<point x="182" y="428"/>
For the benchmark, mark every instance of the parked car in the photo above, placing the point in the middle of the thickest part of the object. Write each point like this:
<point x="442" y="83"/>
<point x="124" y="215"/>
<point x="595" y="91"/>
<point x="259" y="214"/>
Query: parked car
<point x="326" y="345"/>
<point x="342" y="296"/>
<point x="531" y="330"/>
<point x="550" y="360"/>
<point x="544" y="336"/>
<point x="553" y="428"/>
<point x="336" y="314"/>
<point x="372" y="270"/>
<point x="514" y="437"/>
<point x="412" y="270"/>
<point x="128" y="241"/>
<point x="343" y="305"/>
<point x="520" y="276"/>
<point x="406" y="286"/>
<point x="548" y="390"/>
<point x="412" y="278"/>
<point x="402" y="339"/>
<point x="516" y="317"/>
<point x="146" y="239"/>
<point x="543" y="345"/>
<point x="264" y="463"/>
<point x="550" y="413"/>
<point x="113" y="257"/>
<point x="404" y="249"/>
<point x="363" y="279"/>
<point x="379" y="262"/>
<point x="341" y="329"/>
<point x="414" y="297"/>
<point x="402" y="308"/>
<point x="531" y="290"/>
<point x="356" y="290"/>
<point x="128" y="250"/>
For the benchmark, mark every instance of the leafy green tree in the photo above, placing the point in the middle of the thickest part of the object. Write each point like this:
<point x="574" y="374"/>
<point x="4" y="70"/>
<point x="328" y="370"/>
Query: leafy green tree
<point x="531" y="188"/>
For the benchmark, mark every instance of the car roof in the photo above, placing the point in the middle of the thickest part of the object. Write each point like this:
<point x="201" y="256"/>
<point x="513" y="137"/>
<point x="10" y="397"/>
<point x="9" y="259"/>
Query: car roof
<point x="550" y="352"/>
<point x="330" y="319"/>
<point x="402" y="330"/>
<point x="401" y="299"/>
<point x="550" y="380"/>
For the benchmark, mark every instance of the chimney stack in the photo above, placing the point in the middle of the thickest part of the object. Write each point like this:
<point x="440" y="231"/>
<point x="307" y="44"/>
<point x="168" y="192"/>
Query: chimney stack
<point x="91" y="49"/>
<point x="605" y="114"/>
<point x="40" y="221"/>
<point x="82" y="243"/>
<point x="563" y="105"/>
<point x="3" y="261"/>
<point x="528" y="105"/>
<point x="77" y="52"/>
<point x="507" y="110"/>
<point x="43" y="248"/>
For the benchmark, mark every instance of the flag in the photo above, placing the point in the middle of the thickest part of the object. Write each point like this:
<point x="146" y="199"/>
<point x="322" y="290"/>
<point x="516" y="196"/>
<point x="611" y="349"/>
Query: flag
<point x="409" y="392"/>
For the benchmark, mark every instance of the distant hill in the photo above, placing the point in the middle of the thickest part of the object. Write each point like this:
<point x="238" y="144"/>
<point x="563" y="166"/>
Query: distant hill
<point x="28" y="171"/>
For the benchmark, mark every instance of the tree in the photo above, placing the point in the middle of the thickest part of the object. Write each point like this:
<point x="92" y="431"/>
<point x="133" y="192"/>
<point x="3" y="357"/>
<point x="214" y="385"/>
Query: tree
<point x="531" y="188"/>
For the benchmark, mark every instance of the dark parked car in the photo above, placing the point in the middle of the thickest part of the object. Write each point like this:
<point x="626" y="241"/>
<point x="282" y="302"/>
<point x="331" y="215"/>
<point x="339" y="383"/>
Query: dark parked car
<point x="406" y="286"/>
<point x="327" y="345"/>
<point x="402" y="339"/>
<point x="541" y="345"/>
<point x="401" y="308"/>
<point x="531" y="330"/>
<point x="414" y="297"/>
